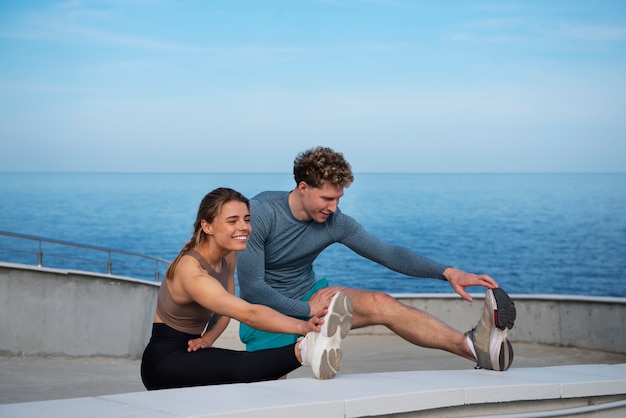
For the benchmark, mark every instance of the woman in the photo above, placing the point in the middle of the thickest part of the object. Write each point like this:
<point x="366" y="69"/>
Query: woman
<point x="196" y="302"/>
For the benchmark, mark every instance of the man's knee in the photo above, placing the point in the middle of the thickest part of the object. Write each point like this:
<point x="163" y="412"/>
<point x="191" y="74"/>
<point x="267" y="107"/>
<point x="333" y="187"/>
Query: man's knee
<point x="372" y="305"/>
<point x="383" y="300"/>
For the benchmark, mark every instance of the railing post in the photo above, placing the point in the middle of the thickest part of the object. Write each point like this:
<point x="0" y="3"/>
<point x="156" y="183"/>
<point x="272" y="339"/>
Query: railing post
<point x="156" y="271"/>
<point x="109" y="264"/>
<point x="40" y="256"/>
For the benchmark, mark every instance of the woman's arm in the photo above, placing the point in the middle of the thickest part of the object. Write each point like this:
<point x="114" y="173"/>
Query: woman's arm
<point x="208" y="339"/>
<point x="218" y="328"/>
<point x="208" y="292"/>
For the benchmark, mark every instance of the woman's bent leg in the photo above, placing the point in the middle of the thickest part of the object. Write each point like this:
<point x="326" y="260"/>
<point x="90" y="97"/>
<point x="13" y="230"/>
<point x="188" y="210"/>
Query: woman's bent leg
<point x="166" y="363"/>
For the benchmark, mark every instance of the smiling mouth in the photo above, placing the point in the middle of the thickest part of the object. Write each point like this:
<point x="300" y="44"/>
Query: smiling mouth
<point x="241" y="238"/>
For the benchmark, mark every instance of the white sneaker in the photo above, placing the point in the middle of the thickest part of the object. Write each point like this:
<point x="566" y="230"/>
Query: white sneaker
<point x="323" y="352"/>
<point x="490" y="337"/>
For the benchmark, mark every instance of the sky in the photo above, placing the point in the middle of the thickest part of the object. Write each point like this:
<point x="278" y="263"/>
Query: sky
<point x="244" y="86"/>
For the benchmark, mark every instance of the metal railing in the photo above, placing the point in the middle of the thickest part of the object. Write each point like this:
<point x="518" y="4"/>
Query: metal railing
<point x="24" y="249"/>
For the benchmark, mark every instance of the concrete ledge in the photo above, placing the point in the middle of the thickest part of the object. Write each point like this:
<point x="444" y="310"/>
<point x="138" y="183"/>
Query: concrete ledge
<point x="57" y="312"/>
<point x="421" y="393"/>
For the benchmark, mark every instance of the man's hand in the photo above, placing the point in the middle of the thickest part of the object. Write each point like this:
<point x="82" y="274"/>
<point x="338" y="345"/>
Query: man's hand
<point x="459" y="280"/>
<point x="321" y="299"/>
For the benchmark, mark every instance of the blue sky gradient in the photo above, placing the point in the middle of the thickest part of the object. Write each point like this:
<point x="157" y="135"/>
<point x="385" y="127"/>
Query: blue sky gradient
<point x="243" y="86"/>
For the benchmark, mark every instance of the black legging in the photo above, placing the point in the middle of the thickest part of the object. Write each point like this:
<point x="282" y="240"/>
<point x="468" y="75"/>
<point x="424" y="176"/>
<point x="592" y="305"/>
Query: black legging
<point x="166" y="363"/>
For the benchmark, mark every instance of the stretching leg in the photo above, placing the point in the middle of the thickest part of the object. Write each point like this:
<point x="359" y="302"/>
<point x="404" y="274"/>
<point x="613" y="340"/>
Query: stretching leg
<point x="414" y="325"/>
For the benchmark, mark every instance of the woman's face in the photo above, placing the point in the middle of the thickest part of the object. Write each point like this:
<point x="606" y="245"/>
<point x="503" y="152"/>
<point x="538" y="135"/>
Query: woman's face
<point x="231" y="227"/>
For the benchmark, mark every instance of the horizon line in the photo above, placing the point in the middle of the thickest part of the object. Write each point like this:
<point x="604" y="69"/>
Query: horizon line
<point x="290" y="173"/>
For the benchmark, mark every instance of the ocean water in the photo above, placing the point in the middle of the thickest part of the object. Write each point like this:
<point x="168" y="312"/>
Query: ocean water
<point x="534" y="233"/>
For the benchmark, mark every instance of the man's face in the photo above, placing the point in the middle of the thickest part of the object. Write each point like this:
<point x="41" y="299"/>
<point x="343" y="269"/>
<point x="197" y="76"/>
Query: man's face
<point x="320" y="202"/>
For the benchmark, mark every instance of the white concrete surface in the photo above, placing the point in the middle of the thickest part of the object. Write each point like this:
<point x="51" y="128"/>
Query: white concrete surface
<point x="355" y="395"/>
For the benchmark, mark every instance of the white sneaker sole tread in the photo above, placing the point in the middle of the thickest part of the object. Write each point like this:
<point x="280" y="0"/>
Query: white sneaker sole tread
<point x="336" y="326"/>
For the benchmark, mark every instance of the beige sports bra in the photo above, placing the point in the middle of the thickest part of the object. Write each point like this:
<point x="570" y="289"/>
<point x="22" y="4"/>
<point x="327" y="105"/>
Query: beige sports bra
<point x="190" y="318"/>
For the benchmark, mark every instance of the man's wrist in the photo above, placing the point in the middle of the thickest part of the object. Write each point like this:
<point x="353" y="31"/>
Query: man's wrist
<point x="447" y="272"/>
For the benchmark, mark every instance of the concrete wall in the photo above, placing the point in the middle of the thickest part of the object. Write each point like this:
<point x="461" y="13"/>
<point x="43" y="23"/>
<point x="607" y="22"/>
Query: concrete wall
<point x="57" y="312"/>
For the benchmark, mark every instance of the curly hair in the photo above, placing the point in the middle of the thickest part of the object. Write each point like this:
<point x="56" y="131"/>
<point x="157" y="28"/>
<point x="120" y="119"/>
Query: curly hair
<point x="320" y="164"/>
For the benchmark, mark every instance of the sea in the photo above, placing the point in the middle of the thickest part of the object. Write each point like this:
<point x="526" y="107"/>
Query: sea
<point x="561" y="234"/>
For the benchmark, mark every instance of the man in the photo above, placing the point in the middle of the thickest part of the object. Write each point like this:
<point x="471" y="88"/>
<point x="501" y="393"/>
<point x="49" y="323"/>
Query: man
<point x="290" y="229"/>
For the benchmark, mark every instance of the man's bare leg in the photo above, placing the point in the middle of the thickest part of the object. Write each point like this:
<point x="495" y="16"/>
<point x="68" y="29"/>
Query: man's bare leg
<point x="413" y="325"/>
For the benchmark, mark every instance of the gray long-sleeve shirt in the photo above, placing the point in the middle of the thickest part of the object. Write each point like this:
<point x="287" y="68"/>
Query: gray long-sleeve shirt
<point x="276" y="269"/>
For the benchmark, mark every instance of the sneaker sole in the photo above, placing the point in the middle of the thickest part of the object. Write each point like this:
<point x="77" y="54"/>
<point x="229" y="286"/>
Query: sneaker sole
<point x="504" y="314"/>
<point x="336" y="326"/>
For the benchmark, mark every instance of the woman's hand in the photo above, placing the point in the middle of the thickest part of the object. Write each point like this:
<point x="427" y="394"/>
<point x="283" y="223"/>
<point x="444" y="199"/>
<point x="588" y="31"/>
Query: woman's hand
<point x="314" y="322"/>
<point x="197" y="344"/>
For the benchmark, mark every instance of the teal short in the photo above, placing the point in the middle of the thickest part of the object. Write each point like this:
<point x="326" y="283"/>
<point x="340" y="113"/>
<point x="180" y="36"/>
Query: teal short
<point x="255" y="339"/>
